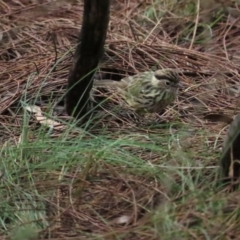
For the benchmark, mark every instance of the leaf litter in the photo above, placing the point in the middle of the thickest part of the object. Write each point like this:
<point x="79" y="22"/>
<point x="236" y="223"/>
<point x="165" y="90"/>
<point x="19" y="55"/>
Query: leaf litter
<point x="36" y="54"/>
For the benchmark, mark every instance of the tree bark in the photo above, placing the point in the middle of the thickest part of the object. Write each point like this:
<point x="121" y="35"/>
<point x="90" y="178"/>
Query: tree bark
<point x="230" y="157"/>
<point x="87" y="56"/>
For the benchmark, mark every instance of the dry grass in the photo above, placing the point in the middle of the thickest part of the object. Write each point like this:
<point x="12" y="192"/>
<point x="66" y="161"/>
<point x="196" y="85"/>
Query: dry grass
<point x="120" y="176"/>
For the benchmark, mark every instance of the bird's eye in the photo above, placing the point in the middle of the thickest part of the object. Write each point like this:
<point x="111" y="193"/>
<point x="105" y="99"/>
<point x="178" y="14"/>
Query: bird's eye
<point x="167" y="83"/>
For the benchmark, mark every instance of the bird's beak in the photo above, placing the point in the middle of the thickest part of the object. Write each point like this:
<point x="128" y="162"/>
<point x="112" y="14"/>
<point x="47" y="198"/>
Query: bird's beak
<point x="180" y="85"/>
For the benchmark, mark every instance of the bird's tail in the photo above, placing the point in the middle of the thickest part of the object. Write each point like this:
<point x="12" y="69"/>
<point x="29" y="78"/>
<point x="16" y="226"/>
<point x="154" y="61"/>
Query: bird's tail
<point x="123" y="84"/>
<point x="105" y="83"/>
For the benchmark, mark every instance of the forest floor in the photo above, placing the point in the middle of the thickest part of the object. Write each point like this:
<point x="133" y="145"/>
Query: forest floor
<point x="118" y="176"/>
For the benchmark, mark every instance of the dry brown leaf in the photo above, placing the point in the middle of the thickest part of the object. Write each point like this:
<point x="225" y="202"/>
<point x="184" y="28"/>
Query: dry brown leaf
<point x="125" y="219"/>
<point x="42" y="119"/>
<point x="218" y="117"/>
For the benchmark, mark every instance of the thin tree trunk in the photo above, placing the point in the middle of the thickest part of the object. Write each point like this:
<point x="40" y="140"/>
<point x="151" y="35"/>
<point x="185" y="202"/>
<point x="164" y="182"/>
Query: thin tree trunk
<point x="87" y="56"/>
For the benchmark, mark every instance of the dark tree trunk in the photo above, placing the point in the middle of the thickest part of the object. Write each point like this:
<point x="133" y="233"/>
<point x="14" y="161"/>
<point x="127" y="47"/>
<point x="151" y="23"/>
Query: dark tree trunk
<point x="230" y="158"/>
<point x="87" y="56"/>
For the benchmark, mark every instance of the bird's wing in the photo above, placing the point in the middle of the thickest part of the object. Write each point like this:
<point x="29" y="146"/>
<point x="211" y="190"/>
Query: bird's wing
<point x="139" y="83"/>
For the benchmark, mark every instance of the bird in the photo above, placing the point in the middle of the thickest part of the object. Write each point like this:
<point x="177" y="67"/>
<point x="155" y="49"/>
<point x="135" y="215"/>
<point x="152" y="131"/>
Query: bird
<point x="150" y="91"/>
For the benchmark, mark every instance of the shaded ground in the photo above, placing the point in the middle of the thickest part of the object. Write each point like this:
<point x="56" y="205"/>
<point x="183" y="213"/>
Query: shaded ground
<point x="120" y="176"/>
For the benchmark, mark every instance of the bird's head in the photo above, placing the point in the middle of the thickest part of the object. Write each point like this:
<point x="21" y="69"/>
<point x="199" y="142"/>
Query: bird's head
<point x="166" y="79"/>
